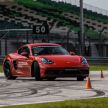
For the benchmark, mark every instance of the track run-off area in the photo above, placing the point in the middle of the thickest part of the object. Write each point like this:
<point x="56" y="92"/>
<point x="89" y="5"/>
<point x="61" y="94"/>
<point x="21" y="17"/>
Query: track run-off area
<point x="26" y="90"/>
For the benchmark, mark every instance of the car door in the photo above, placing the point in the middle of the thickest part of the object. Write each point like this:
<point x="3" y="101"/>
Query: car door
<point x="23" y="62"/>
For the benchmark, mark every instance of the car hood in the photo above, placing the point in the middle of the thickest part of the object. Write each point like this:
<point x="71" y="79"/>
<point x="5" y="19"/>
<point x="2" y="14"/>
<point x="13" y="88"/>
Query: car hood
<point x="64" y="60"/>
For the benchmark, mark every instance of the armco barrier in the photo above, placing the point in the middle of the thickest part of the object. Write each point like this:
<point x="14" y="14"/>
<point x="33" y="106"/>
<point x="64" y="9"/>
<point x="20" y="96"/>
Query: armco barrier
<point x="98" y="60"/>
<point x="1" y="59"/>
<point x="93" y="60"/>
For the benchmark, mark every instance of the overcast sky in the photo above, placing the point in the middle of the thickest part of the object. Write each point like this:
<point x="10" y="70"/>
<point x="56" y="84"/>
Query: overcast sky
<point x="102" y="5"/>
<point x="98" y="3"/>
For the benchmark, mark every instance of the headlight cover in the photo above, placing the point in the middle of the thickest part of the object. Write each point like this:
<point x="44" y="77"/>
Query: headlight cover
<point x="46" y="61"/>
<point x="84" y="61"/>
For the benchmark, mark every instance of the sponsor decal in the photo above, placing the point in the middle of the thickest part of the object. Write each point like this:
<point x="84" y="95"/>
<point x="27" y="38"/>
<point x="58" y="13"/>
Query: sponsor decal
<point x="22" y="64"/>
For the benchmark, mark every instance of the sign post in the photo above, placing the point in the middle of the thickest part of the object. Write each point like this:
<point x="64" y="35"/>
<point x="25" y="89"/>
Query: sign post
<point x="41" y="30"/>
<point x="81" y="28"/>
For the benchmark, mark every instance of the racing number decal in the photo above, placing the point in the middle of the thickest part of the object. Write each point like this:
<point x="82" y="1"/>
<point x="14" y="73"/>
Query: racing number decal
<point x="21" y="64"/>
<point x="40" y="29"/>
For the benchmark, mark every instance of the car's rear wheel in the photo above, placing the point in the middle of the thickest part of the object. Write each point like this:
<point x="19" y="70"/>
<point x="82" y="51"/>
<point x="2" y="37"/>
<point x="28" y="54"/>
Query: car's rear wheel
<point x="36" y="71"/>
<point x="7" y="71"/>
<point x="80" y="78"/>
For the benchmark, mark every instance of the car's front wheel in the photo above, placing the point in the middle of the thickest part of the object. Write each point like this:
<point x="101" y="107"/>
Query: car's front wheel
<point x="7" y="71"/>
<point x="36" y="71"/>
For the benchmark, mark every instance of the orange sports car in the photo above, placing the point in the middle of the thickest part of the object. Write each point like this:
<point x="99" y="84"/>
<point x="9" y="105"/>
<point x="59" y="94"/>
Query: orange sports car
<point x="44" y="61"/>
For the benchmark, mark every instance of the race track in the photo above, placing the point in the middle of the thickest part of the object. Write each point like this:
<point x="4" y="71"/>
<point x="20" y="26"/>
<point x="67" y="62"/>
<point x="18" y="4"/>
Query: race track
<point x="27" y="90"/>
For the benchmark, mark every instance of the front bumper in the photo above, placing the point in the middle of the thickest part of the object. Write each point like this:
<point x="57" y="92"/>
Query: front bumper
<point x="67" y="72"/>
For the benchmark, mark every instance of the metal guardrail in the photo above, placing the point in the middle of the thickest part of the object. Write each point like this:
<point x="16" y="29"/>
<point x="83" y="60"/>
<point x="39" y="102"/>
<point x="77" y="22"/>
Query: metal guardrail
<point x="1" y="59"/>
<point x="96" y="61"/>
<point x="99" y="60"/>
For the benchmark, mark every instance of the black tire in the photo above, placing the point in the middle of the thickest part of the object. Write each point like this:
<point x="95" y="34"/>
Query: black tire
<point x="36" y="71"/>
<point x="7" y="71"/>
<point x="80" y="78"/>
<point x="51" y="78"/>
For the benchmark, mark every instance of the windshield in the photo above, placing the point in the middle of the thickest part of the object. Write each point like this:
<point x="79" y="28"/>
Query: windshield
<point x="47" y="50"/>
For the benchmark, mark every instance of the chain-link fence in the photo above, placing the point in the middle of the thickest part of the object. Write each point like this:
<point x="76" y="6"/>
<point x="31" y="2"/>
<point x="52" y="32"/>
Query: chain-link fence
<point x="12" y="39"/>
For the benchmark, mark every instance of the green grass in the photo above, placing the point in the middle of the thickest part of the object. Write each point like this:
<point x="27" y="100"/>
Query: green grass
<point x="48" y="4"/>
<point x="1" y="70"/>
<point x="85" y="103"/>
<point x="98" y="67"/>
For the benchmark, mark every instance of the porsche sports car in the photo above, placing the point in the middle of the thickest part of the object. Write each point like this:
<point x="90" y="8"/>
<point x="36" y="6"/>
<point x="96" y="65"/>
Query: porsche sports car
<point x="44" y="61"/>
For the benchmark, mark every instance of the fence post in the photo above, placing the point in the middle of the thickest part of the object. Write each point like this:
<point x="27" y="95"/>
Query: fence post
<point x="6" y="45"/>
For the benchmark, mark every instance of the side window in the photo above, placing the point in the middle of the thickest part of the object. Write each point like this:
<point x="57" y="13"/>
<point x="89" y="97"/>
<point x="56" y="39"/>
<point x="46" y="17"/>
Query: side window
<point x="20" y="50"/>
<point x="24" y="49"/>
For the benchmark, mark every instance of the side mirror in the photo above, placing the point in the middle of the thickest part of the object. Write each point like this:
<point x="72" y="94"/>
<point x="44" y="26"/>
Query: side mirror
<point x="25" y="54"/>
<point x="72" y="53"/>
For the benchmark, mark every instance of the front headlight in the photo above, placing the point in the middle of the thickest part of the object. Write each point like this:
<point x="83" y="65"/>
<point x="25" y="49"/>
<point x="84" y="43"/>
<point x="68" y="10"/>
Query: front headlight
<point x="84" y="61"/>
<point x="46" y="61"/>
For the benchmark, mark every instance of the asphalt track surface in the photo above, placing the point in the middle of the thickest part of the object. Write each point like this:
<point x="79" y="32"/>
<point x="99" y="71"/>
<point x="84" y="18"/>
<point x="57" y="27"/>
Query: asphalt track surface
<point x="27" y="90"/>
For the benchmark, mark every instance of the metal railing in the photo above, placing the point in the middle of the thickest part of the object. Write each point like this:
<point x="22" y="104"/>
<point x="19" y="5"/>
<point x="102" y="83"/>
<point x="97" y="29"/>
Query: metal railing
<point x="98" y="60"/>
<point x="95" y="61"/>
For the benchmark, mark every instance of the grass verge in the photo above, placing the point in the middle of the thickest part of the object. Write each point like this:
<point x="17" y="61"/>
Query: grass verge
<point x="1" y="70"/>
<point x="98" y="67"/>
<point x="85" y="103"/>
